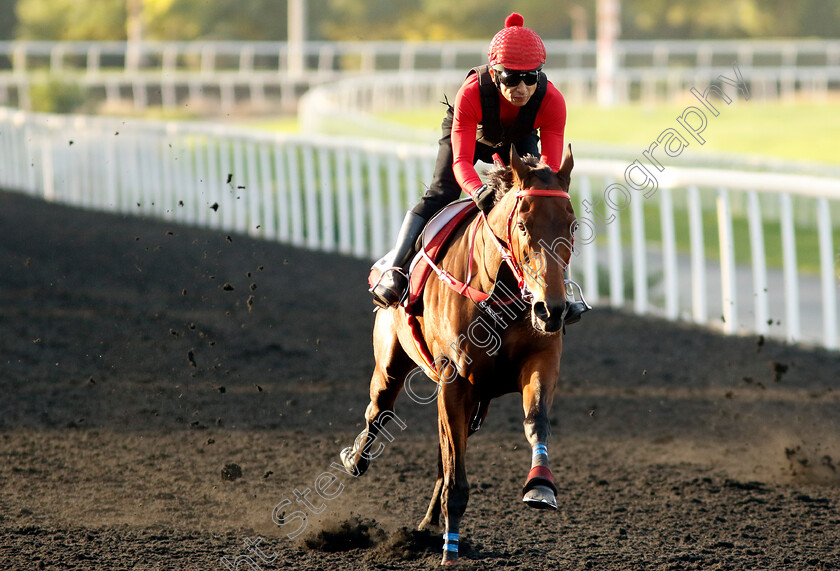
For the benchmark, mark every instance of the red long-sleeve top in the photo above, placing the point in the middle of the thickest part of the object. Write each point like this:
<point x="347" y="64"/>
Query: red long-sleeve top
<point x="550" y="120"/>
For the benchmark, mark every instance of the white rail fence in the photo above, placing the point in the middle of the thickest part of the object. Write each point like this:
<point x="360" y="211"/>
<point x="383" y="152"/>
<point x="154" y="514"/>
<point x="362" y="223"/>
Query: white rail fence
<point x="757" y="254"/>
<point x="226" y="74"/>
<point x="372" y="57"/>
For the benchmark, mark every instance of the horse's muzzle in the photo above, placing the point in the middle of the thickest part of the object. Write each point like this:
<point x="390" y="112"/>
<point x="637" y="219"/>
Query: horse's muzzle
<point x="548" y="318"/>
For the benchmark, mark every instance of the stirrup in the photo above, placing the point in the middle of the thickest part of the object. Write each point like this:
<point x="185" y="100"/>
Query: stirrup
<point x="379" y="299"/>
<point x="577" y="307"/>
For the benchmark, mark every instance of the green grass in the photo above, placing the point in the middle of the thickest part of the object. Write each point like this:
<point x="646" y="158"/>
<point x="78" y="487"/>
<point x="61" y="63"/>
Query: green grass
<point x="282" y="123"/>
<point x="801" y="131"/>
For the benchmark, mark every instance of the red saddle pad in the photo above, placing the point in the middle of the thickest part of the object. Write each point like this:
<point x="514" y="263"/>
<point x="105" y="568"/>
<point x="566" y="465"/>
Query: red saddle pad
<point x="435" y="236"/>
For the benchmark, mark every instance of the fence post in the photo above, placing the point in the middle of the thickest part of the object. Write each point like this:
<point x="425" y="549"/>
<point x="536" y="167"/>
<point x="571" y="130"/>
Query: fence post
<point x="310" y="190"/>
<point x="213" y="181"/>
<point x="790" y="268"/>
<point x="590" y="257"/>
<point x="759" y="265"/>
<point x="377" y="218"/>
<point x="699" y="305"/>
<point x="615" y="258"/>
<point x="669" y="254"/>
<point x="295" y="209"/>
<point x="395" y="205"/>
<point x="829" y="283"/>
<point x="326" y="196"/>
<point x="359" y="226"/>
<point x="240" y="187"/>
<point x="640" y="285"/>
<point x="283" y="206"/>
<point x="256" y="207"/>
<point x="269" y="216"/>
<point x="729" y="306"/>
<point x="342" y="189"/>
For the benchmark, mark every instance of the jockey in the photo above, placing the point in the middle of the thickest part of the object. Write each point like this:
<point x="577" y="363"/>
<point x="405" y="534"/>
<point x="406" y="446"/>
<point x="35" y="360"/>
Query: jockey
<point x="500" y="104"/>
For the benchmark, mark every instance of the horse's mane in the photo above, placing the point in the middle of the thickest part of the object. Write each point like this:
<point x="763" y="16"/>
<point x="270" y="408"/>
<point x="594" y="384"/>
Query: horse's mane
<point x="500" y="179"/>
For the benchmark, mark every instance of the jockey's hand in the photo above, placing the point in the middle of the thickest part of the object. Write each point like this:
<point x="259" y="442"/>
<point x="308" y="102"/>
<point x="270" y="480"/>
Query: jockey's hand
<point x="485" y="198"/>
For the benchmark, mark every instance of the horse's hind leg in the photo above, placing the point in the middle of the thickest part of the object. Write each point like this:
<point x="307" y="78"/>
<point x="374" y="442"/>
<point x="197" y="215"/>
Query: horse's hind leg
<point x="432" y="518"/>
<point x="392" y="367"/>
<point x="453" y="426"/>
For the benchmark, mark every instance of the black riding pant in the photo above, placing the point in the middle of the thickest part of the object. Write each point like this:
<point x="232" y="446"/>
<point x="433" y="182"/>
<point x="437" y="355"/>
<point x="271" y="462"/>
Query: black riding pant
<point x="444" y="187"/>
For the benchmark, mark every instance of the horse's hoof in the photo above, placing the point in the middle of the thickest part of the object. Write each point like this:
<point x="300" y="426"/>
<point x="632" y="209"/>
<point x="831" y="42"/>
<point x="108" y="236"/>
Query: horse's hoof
<point x="350" y="464"/>
<point x="449" y="558"/>
<point x="541" y="498"/>
<point x="428" y="525"/>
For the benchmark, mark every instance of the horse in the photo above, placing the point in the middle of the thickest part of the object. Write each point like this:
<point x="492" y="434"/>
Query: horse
<point x="524" y="242"/>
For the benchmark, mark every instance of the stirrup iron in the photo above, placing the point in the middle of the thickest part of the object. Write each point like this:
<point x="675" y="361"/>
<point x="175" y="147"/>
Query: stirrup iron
<point x="577" y="306"/>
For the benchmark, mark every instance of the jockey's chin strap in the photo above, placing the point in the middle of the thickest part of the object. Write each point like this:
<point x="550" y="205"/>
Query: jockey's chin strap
<point x="505" y="248"/>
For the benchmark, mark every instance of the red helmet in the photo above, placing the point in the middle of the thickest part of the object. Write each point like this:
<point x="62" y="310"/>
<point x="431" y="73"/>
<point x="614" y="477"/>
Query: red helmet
<point x="516" y="47"/>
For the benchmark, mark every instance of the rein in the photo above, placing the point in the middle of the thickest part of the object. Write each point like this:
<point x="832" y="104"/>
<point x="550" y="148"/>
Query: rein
<point x="504" y="248"/>
<point x="463" y="288"/>
<point x="508" y="256"/>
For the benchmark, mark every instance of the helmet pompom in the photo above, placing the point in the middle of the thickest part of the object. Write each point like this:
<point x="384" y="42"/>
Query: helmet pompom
<point x="516" y="47"/>
<point x="514" y="20"/>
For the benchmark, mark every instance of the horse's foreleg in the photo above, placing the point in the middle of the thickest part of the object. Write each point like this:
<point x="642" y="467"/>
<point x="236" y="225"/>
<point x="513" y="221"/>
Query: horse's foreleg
<point x="453" y="427"/>
<point x="539" y="490"/>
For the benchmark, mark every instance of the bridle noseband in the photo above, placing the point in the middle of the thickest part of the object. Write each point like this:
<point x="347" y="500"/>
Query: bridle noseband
<point x="505" y="248"/>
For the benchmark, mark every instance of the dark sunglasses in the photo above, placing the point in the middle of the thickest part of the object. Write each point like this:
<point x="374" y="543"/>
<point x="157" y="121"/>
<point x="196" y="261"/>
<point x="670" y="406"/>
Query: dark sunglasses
<point x="511" y="78"/>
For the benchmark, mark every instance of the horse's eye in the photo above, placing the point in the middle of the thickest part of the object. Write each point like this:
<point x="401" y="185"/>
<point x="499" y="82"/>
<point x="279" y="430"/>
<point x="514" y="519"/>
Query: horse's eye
<point x="521" y="226"/>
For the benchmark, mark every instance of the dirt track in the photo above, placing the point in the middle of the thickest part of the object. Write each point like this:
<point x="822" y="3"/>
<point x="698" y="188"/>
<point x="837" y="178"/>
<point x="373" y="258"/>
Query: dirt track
<point x="138" y="359"/>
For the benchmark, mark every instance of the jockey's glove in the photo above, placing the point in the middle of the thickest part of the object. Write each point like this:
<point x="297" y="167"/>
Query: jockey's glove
<point x="484" y="198"/>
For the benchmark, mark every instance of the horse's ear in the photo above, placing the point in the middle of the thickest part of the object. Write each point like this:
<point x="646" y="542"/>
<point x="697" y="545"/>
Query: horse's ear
<point x="568" y="162"/>
<point x="520" y="169"/>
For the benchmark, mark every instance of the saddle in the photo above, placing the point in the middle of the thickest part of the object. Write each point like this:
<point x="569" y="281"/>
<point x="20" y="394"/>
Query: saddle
<point x="435" y="236"/>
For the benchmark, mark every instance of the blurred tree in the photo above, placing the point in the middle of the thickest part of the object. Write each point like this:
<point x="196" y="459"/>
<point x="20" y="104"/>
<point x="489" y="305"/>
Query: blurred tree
<point x="202" y="19"/>
<point x="71" y="20"/>
<point x="730" y="18"/>
<point x="817" y="18"/>
<point x="224" y="19"/>
<point x="401" y="20"/>
<point x="688" y="18"/>
<point x="434" y="20"/>
<point x="371" y="20"/>
<point x="161" y="19"/>
<point x="8" y="19"/>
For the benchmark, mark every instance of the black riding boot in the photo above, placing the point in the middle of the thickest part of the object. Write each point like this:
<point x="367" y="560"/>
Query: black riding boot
<point x="390" y="288"/>
<point x="574" y="311"/>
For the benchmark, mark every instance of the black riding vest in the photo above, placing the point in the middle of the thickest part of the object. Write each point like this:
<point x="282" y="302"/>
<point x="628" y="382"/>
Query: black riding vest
<point x="491" y="132"/>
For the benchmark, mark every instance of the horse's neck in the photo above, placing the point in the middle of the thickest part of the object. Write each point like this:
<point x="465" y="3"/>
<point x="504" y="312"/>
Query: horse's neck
<point x="494" y="231"/>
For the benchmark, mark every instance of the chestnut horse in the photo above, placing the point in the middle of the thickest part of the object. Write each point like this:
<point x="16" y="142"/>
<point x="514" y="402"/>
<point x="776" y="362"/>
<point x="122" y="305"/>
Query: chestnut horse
<point x="487" y="349"/>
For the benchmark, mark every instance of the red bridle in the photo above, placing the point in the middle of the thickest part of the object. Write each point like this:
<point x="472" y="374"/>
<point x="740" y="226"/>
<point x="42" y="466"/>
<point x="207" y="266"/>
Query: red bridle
<point x="463" y="287"/>
<point x="505" y="249"/>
